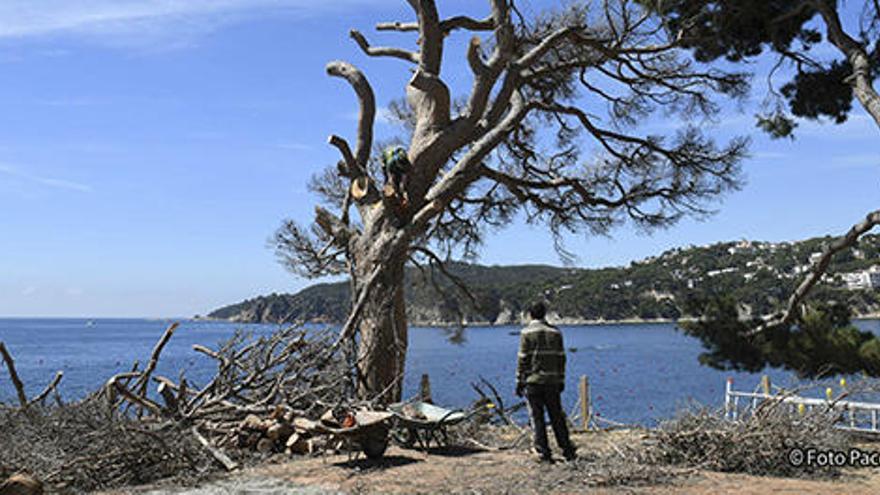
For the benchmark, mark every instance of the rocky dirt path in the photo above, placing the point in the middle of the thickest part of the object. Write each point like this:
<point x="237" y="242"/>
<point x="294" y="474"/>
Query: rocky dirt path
<point x="463" y="471"/>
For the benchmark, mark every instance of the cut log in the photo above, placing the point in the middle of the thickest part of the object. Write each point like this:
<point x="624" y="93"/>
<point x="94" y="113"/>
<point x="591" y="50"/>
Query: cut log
<point x="278" y="413"/>
<point x="21" y="484"/>
<point x="304" y="425"/>
<point x="254" y="423"/>
<point x="265" y="446"/>
<point x="171" y="404"/>
<point x="279" y="432"/>
<point x="297" y="444"/>
<point x="218" y="454"/>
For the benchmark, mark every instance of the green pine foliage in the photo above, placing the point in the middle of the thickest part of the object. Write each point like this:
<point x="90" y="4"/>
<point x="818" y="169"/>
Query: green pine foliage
<point x="823" y="343"/>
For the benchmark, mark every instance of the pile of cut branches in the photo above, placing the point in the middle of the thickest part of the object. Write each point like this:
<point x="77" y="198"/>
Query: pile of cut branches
<point x="84" y="447"/>
<point x="141" y="427"/>
<point x="758" y="444"/>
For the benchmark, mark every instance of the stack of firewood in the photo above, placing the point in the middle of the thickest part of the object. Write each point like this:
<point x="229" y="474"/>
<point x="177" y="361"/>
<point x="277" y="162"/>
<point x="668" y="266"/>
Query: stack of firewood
<point x="284" y="431"/>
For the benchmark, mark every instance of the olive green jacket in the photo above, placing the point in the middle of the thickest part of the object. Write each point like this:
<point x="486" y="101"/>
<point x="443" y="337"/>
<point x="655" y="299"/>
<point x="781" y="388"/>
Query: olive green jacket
<point x="541" y="358"/>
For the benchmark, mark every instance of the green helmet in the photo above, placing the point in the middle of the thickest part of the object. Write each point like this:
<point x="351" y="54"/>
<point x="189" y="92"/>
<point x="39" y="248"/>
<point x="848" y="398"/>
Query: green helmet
<point x="395" y="161"/>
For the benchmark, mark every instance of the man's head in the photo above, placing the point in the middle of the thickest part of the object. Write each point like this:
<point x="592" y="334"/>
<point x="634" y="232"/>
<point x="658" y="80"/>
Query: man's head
<point x="538" y="310"/>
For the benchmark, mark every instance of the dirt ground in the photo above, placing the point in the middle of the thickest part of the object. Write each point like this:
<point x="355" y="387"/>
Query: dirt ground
<point x="471" y="471"/>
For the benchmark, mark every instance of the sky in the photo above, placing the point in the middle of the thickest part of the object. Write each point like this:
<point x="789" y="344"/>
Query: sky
<point x="149" y="149"/>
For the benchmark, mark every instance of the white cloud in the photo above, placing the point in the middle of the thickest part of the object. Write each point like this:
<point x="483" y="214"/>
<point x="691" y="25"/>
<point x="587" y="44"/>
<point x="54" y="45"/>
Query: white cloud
<point x="140" y="19"/>
<point x="52" y="182"/>
<point x="29" y="291"/>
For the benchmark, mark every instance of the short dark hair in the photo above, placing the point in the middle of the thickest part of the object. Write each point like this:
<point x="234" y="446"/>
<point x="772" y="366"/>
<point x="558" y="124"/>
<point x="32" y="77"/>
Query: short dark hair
<point x="538" y="310"/>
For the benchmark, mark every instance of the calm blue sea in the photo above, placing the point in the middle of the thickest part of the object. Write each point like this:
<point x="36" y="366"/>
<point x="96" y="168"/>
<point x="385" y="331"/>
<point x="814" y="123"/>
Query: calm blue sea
<point x="638" y="373"/>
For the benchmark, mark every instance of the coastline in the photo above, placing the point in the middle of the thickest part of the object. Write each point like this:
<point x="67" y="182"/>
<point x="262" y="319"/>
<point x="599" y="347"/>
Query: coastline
<point x="560" y="321"/>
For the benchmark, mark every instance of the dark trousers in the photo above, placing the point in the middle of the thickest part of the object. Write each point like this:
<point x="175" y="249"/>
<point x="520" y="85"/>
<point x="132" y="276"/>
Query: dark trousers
<point x="541" y="397"/>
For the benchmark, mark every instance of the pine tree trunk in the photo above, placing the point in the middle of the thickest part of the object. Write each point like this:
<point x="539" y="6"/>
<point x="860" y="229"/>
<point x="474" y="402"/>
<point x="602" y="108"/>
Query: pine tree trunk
<point x="383" y="337"/>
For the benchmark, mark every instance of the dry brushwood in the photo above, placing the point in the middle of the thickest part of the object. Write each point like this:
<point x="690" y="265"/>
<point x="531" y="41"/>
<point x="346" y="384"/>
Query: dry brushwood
<point x="292" y="372"/>
<point x="84" y="447"/>
<point x="141" y="427"/>
<point x="758" y="444"/>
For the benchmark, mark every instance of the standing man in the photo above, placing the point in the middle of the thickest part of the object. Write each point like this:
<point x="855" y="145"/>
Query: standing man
<point x="540" y="375"/>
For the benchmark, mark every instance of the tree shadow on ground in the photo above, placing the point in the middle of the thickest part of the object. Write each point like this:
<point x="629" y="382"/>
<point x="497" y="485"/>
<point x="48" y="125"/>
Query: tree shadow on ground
<point x="367" y="464"/>
<point x="451" y="451"/>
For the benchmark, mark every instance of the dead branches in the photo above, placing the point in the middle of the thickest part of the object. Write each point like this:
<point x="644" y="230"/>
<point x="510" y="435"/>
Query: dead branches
<point x="19" y="386"/>
<point x="144" y="379"/>
<point x="757" y="445"/>
<point x="13" y="375"/>
<point x="129" y="434"/>
<point x="497" y="403"/>
<point x="52" y="387"/>
<point x="84" y="447"/>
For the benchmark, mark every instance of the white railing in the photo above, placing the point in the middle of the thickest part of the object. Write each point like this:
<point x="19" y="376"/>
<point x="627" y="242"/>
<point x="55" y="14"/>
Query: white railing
<point x="854" y="416"/>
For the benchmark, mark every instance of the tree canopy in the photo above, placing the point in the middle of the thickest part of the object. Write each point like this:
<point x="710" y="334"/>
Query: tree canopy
<point x="739" y="30"/>
<point x="790" y="31"/>
<point x="549" y="130"/>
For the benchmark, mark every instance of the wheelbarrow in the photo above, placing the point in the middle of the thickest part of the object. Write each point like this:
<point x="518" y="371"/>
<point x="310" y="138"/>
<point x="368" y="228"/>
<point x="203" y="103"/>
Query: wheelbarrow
<point x="423" y="423"/>
<point x="368" y="434"/>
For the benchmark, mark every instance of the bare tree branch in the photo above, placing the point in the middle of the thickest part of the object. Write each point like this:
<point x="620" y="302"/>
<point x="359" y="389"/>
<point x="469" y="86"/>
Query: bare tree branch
<point x="440" y="265"/>
<point x="367" y="100"/>
<point x="430" y="36"/>
<point x="49" y="388"/>
<point x="13" y="375"/>
<point x="351" y="323"/>
<point x="466" y="170"/>
<point x="352" y="168"/>
<point x="848" y="240"/>
<point x="383" y="51"/>
<point x="447" y="25"/>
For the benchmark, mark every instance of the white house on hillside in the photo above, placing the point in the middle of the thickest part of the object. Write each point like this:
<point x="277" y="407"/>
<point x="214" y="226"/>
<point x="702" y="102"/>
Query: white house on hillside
<point x="867" y="279"/>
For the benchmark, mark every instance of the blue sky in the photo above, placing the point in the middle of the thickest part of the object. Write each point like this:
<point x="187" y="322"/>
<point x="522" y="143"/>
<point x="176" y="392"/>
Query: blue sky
<point x="149" y="148"/>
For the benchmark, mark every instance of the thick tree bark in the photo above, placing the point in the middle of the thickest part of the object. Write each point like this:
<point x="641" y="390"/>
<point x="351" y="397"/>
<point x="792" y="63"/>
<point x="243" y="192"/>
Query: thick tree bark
<point x="383" y="328"/>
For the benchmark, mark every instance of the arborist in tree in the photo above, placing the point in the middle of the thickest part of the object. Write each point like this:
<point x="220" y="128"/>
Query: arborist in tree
<point x="540" y="376"/>
<point x="396" y="166"/>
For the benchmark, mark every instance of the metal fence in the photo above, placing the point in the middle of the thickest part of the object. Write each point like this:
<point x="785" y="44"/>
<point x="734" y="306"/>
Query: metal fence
<point x="853" y="416"/>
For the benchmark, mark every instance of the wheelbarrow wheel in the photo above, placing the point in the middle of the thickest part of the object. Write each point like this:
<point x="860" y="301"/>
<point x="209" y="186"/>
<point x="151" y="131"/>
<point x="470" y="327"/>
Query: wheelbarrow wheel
<point x="405" y="437"/>
<point x="374" y="445"/>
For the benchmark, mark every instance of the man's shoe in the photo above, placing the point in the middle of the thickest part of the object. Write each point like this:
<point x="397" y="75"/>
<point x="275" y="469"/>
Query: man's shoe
<point x="545" y="459"/>
<point x="570" y="455"/>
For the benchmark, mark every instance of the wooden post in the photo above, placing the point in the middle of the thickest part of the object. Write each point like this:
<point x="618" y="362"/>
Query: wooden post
<point x="584" y="388"/>
<point x="727" y="406"/>
<point x="425" y="390"/>
<point x="765" y="384"/>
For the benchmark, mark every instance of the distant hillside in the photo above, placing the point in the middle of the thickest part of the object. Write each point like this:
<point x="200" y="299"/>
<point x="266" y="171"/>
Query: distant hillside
<point x="759" y="274"/>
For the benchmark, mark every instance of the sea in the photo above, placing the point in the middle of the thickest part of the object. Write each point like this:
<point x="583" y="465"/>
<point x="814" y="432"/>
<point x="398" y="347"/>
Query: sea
<point x="639" y="374"/>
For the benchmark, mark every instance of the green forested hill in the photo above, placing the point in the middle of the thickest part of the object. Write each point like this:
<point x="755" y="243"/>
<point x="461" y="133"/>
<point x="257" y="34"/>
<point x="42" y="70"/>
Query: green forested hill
<point x="759" y="275"/>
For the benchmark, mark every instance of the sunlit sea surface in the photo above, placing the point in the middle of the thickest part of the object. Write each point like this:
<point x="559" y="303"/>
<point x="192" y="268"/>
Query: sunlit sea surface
<point x="638" y="374"/>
